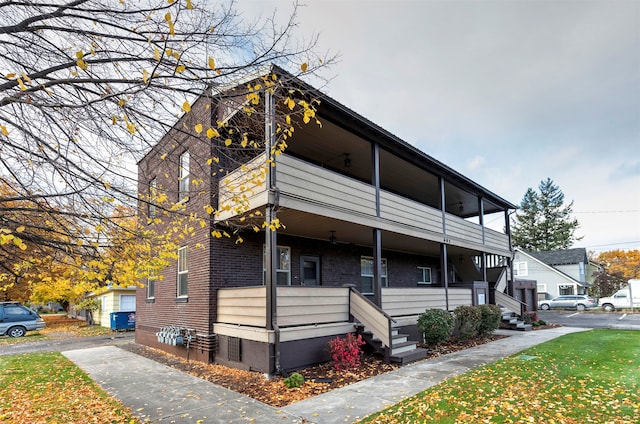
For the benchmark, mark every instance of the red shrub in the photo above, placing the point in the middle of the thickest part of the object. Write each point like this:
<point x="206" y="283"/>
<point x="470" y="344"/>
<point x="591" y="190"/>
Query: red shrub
<point x="346" y="352"/>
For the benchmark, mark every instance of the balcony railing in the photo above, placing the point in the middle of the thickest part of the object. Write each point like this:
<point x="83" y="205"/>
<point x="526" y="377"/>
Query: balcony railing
<point x="311" y="188"/>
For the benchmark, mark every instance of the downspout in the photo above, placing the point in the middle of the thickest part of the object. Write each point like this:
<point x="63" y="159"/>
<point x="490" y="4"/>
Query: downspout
<point x="377" y="234"/>
<point x="271" y="244"/>
<point x="483" y="264"/>
<point x="443" y="245"/>
<point x="507" y="226"/>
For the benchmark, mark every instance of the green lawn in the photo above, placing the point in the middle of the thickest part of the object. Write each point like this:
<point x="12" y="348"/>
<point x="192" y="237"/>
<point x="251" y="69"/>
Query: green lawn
<point x="48" y="388"/>
<point x="591" y="376"/>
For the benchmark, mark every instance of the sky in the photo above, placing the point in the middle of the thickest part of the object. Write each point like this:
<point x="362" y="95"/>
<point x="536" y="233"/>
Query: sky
<point x="508" y="93"/>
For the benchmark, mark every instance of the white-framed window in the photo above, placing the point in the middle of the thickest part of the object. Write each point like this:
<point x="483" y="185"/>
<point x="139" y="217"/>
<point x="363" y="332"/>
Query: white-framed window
<point x="103" y="303"/>
<point x="151" y="284"/>
<point x="183" y="178"/>
<point x="424" y="275"/>
<point x="566" y="289"/>
<point x="542" y="288"/>
<point x="366" y="274"/>
<point x="183" y="273"/>
<point x="283" y="265"/>
<point x="520" y="269"/>
<point x="127" y="302"/>
<point x="153" y="195"/>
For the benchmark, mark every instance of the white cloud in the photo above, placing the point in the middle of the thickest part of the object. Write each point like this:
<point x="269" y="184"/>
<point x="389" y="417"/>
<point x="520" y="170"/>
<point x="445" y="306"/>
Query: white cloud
<point x="530" y="89"/>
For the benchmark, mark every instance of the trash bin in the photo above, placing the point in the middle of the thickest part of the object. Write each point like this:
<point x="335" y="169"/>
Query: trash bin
<point x="123" y="321"/>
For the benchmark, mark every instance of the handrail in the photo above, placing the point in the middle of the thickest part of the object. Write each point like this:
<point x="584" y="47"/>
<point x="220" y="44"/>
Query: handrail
<point x="368" y="313"/>
<point x="501" y="284"/>
<point x="510" y="303"/>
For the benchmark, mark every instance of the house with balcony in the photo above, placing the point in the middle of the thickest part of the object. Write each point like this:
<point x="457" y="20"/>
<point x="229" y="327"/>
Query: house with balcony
<point x="373" y="232"/>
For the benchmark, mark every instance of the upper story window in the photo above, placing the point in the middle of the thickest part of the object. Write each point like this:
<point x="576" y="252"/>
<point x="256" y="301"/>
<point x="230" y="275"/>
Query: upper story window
<point x="153" y="195"/>
<point x="183" y="192"/>
<point x="151" y="284"/>
<point x="424" y="275"/>
<point x="366" y="274"/>
<point x="183" y="273"/>
<point x="520" y="269"/>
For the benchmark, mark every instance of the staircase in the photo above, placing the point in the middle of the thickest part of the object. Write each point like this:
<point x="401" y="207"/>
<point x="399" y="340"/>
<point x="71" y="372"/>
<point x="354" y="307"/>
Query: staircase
<point x="378" y="330"/>
<point x="511" y="321"/>
<point x="402" y="351"/>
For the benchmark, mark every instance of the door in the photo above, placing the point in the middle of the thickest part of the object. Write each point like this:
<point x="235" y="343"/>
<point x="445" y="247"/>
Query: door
<point x="310" y="270"/>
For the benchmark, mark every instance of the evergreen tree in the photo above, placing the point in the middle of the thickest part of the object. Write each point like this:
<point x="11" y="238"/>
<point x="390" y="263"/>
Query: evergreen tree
<point x="543" y="222"/>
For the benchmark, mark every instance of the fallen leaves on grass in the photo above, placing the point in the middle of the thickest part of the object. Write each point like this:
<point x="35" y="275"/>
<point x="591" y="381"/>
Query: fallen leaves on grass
<point x="48" y="388"/>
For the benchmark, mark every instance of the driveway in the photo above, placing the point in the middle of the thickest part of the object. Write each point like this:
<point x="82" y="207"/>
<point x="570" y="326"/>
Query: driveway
<point x="591" y="319"/>
<point x="69" y="343"/>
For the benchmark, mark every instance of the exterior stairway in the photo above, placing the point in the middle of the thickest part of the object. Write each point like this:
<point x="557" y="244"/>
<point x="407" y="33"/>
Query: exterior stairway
<point x="403" y="351"/>
<point x="511" y="321"/>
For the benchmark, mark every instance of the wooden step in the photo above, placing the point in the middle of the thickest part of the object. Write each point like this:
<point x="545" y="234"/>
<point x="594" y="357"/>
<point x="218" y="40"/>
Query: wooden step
<point x="403" y="358"/>
<point x="403" y="347"/>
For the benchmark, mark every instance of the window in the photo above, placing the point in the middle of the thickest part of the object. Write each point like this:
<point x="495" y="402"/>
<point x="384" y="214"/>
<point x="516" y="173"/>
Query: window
<point x="565" y="289"/>
<point x="127" y="302"/>
<point x="16" y="311"/>
<point x="366" y="274"/>
<point x="183" y="272"/>
<point x="184" y="177"/>
<point x="424" y="275"/>
<point x="153" y="195"/>
<point x="520" y="269"/>
<point x="283" y="265"/>
<point x="151" y="284"/>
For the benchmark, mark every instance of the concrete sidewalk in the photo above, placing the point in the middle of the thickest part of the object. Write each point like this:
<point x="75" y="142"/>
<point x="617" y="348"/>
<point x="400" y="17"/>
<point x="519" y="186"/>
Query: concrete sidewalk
<point x="158" y="393"/>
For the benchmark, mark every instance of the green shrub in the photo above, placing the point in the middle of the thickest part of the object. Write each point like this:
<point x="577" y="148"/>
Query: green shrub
<point x="542" y="322"/>
<point x="467" y="321"/>
<point x="490" y="317"/>
<point x="436" y="325"/>
<point x="294" y="380"/>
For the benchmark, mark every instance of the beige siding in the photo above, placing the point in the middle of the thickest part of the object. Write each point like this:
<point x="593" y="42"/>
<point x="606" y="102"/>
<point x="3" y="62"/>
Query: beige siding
<point x="406" y="211"/>
<point x="243" y="306"/>
<point x="322" y="187"/>
<point x="370" y="316"/>
<point x="495" y="239"/>
<point x="399" y="302"/>
<point x="312" y="305"/>
<point x="313" y="189"/>
<point x="244" y="188"/>
<point x="458" y="228"/>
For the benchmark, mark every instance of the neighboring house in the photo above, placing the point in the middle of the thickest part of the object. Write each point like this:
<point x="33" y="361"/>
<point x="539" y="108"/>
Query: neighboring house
<point x="557" y="272"/>
<point x="375" y="231"/>
<point x="114" y="299"/>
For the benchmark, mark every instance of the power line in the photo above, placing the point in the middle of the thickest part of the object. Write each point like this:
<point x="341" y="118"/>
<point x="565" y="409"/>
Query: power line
<point x="629" y="211"/>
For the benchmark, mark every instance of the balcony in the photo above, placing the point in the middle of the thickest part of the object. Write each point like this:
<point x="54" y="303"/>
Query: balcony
<point x="320" y="192"/>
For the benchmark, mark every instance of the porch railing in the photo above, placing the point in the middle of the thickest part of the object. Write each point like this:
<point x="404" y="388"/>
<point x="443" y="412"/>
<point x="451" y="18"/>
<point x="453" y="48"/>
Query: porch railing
<point x="310" y="188"/>
<point x="399" y="302"/>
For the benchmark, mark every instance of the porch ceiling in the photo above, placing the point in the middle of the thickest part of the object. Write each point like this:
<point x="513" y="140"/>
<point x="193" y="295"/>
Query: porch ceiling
<point x="329" y="146"/>
<point x="318" y="227"/>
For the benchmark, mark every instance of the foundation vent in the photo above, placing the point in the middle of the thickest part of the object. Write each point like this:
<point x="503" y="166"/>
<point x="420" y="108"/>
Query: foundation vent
<point x="233" y="349"/>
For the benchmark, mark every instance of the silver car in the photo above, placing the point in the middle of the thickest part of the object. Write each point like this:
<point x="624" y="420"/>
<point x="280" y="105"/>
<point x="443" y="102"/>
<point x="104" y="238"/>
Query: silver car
<point x="579" y="302"/>
<point x="16" y="319"/>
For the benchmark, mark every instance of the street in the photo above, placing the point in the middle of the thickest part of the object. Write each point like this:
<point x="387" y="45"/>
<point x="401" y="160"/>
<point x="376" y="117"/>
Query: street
<point x="590" y="319"/>
<point x="70" y="343"/>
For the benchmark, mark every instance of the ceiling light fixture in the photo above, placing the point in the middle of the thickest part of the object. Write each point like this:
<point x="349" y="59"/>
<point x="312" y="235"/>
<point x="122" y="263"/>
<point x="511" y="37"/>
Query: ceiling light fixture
<point x="347" y="160"/>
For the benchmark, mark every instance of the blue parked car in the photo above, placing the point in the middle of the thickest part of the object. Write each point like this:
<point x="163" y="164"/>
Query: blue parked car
<point x="16" y="319"/>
